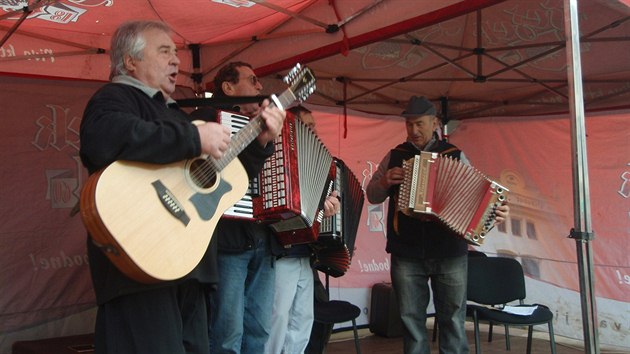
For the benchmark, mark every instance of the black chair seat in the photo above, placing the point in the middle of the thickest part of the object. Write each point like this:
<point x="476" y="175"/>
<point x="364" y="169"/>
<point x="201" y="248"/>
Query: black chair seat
<point x="541" y="315"/>
<point x="498" y="281"/>
<point x="336" y="311"/>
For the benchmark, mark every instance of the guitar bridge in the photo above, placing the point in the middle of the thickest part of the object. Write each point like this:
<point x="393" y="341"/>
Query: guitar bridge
<point x="170" y="202"/>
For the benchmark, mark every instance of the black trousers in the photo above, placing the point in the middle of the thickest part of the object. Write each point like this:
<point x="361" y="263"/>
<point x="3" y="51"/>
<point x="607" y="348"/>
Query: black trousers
<point x="168" y="320"/>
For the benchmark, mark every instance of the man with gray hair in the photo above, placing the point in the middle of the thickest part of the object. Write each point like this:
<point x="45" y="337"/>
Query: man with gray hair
<point x="134" y="118"/>
<point x="424" y="250"/>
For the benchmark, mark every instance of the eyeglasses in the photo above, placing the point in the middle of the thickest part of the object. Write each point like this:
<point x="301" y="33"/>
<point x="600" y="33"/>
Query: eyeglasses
<point x="252" y="80"/>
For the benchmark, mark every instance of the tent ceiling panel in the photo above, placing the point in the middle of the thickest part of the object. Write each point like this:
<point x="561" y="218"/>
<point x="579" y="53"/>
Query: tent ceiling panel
<point x="513" y="64"/>
<point x="480" y="56"/>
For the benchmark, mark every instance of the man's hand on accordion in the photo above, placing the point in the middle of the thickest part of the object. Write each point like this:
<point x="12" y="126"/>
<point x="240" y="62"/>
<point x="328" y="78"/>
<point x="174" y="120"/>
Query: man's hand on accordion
<point x="502" y="213"/>
<point x="393" y="176"/>
<point x="332" y="204"/>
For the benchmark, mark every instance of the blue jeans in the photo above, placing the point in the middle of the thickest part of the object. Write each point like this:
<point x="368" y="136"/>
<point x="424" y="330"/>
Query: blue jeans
<point x="448" y="276"/>
<point x="240" y="309"/>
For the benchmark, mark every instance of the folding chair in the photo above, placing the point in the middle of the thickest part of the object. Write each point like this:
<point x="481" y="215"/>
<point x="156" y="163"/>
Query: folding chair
<point x="338" y="311"/>
<point x="494" y="282"/>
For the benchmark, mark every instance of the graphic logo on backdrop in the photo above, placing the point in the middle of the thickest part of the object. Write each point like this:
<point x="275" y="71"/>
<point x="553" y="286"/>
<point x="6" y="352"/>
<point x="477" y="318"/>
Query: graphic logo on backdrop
<point x="58" y="12"/>
<point x="624" y="189"/>
<point x="376" y="212"/>
<point x="60" y="131"/>
<point x="236" y="3"/>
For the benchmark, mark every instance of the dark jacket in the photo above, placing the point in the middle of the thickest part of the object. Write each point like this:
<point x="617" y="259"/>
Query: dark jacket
<point x="121" y="122"/>
<point x="412" y="237"/>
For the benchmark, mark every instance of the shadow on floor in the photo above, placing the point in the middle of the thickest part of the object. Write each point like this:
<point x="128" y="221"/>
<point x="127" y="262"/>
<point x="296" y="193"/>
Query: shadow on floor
<point x="343" y="343"/>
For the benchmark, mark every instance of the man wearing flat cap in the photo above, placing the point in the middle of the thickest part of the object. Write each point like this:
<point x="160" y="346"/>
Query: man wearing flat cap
<point x="423" y="250"/>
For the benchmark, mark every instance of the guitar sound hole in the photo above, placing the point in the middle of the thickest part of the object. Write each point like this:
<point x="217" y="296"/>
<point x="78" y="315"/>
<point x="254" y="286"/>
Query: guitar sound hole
<point x="202" y="173"/>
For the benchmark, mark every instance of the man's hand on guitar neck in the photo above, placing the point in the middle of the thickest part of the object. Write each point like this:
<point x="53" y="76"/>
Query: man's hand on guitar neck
<point x="273" y="118"/>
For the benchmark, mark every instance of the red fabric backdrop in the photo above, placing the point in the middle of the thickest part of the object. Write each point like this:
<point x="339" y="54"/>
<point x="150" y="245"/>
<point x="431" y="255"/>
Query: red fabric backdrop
<point x="45" y="278"/>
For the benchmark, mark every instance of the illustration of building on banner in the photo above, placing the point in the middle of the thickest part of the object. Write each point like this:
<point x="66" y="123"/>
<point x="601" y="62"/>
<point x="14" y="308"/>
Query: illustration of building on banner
<point x="534" y="233"/>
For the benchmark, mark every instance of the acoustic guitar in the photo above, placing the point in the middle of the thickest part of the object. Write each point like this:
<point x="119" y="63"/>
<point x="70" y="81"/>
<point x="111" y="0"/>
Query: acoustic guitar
<point x="155" y="221"/>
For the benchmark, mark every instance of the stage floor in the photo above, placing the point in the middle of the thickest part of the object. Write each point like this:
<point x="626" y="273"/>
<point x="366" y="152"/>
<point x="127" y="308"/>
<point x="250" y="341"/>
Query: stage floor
<point x="343" y="342"/>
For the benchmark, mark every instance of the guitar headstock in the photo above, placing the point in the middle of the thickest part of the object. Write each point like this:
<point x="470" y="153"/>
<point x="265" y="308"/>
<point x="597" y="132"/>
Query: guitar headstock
<point x="301" y="81"/>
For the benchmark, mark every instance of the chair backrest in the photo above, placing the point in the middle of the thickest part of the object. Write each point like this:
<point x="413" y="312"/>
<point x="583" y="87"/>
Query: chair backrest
<point x="475" y="253"/>
<point x="495" y="280"/>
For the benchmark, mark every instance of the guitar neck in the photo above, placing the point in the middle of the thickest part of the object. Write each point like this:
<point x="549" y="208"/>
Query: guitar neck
<point x="251" y="130"/>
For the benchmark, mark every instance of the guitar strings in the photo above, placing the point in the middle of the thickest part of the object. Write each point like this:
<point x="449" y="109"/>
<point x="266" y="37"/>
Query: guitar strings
<point x="210" y="167"/>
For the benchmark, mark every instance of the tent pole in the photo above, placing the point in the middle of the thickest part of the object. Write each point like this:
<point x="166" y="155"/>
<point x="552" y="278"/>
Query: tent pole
<point x="445" y="118"/>
<point x="582" y="232"/>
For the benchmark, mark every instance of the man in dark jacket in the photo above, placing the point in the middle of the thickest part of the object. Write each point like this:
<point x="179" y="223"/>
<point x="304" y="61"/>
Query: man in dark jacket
<point x="240" y="308"/>
<point x="424" y="250"/>
<point x="134" y="118"/>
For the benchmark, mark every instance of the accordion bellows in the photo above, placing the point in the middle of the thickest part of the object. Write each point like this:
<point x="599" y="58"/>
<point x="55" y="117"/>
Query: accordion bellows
<point x="335" y="244"/>
<point x="294" y="183"/>
<point x="458" y="195"/>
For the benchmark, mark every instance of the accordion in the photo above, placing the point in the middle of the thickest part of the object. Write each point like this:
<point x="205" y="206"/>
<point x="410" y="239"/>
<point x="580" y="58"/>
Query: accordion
<point x="244" y="208"/>
<point x="294" y="183"/>
<point x="458" y="195"/>
<point x="337" y="233"/>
